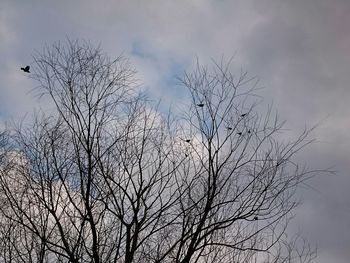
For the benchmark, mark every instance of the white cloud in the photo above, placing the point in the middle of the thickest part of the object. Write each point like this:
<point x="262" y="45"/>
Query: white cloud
<point x="299" y="49"/>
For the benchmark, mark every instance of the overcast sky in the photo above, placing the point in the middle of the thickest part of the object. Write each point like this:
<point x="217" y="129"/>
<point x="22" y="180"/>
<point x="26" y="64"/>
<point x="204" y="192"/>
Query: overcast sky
<point x="299" y="49"/>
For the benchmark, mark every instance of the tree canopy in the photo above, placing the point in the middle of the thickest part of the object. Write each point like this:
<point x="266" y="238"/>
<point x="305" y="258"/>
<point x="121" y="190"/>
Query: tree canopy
<point x="108" y="177"/>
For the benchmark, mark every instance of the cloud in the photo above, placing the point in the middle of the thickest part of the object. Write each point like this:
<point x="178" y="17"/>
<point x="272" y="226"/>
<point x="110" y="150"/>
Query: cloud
<point x="299" y="49"/>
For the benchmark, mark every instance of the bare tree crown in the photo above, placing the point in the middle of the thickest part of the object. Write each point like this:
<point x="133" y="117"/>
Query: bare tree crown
<point x="107" y="177"/>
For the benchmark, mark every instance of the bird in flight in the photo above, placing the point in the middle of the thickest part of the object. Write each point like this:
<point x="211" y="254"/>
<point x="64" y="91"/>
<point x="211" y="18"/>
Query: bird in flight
<point x="201" y="105"/>
<point x="26" y="69"/>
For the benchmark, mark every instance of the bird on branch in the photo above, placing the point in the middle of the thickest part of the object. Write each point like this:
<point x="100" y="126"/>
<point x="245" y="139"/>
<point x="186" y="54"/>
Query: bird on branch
<point x="201" y="105"/>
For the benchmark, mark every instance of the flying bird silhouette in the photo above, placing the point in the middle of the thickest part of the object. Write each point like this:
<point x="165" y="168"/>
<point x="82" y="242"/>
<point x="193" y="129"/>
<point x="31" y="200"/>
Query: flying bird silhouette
<point x="201" y="105"/>
<point x="26" y="69"/>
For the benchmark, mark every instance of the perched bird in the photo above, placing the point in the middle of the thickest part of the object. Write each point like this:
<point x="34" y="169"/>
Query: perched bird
<point x="201" y="105"/>
<point x="248" y="131"/>
<point x="229" y="128"/>
<point x="239" y="133"/>
<point x="26" y="69"/>
<point x="242" y="115"/>
<point x="188" y="140"/>
<point x="255" y="218"/>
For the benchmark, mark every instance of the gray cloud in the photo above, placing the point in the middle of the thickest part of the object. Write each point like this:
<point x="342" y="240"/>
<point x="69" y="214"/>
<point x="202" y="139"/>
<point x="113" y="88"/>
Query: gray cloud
<point x="299" y="49"/>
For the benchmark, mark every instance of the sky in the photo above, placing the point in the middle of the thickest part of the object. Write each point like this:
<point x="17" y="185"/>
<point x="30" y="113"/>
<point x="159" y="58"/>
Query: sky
<point x="298" y="49"/>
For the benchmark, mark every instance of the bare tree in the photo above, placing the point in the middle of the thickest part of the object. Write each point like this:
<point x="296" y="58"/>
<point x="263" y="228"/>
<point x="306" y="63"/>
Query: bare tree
<point x="107" y="177"/>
